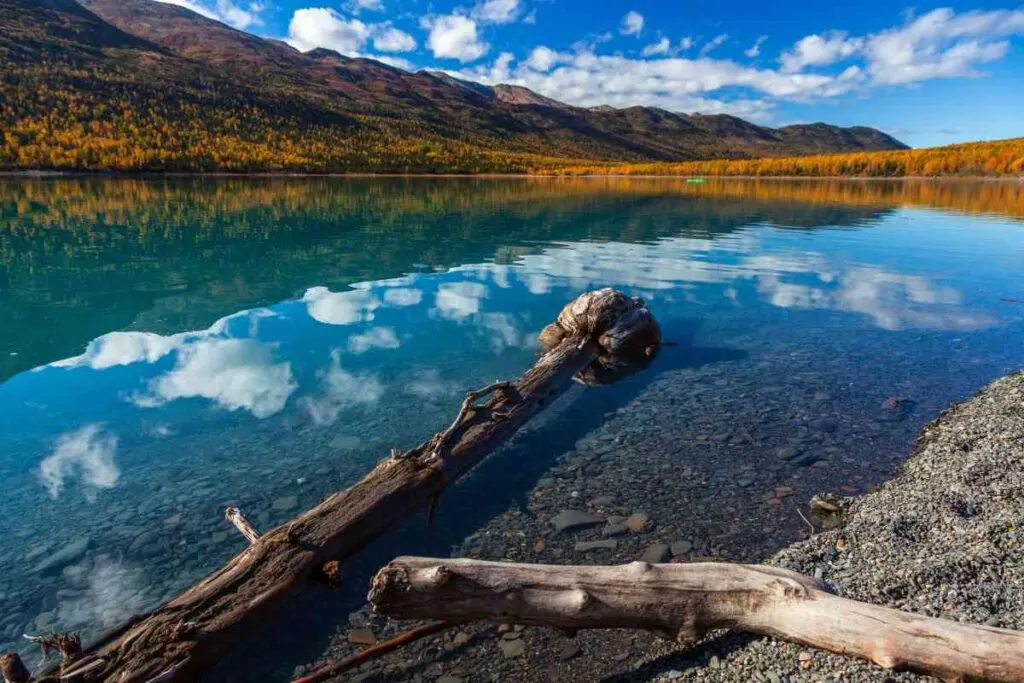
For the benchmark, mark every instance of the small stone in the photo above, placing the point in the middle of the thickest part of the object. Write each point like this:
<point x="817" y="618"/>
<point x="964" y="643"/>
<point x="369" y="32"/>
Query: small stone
<point x="584" y="546"/>
<point x="568" y="520"/>
<point x="774" y="677"/>
<point x="603" y="500"/>
<point x="45" y="620"/>
<point x="570" y="649"/>
<point x="787" y="453"/>
<point x="806" y="460"/>
<point x="361" y="636"/>
<point x="461" y="638"/>
<point x="286" y="503"/>
<point x="614" y="530"/>
<point x="63" y="557"/>
<point x="447" y="678"/>
<point x="680" y="548"/>
<point x="715" y="662"/>
<point x="637" y="522"/>
<point x="512" y="648"/>
<point x="345" y="442"/>
<point x="511" y="635"/>
<point x="673" y="675"/>
<point x="656" y="554"/>
<point x="539" y="545"/>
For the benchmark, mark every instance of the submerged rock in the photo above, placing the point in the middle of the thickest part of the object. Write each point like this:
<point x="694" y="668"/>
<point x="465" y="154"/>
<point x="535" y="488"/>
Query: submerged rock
<point x="567" y="520"/>
<point x="69" y="554"/>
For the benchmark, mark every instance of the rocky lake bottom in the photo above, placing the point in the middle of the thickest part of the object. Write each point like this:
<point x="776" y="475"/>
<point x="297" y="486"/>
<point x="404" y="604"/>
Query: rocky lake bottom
<point x="186" y="345"/>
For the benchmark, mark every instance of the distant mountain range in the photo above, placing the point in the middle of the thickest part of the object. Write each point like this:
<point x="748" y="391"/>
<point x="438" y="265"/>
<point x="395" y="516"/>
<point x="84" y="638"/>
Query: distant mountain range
<point x="143" y="85"/>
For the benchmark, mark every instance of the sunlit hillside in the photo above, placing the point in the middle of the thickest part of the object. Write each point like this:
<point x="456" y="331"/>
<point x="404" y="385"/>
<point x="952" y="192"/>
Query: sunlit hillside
<point x="995" y="158"/>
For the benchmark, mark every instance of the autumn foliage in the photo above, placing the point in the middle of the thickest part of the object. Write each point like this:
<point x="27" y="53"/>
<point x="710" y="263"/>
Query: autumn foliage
<point x="979" y="159"/>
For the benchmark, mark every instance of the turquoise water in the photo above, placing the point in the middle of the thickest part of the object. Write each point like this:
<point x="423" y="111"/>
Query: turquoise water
<point x="171" y="347"/>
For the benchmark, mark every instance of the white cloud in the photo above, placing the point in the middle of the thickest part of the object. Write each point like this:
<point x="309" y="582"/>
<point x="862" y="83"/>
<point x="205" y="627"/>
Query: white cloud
<point x="87" y="453"/>
<point x="241" y="17"/>
<point x="341" y="390"/>
<point x="632" y="24"/>
<point x="454" y="36"/>
<point x="314" y="27"/>
<point x="713" y="43"/>
<point x="820" y="50"/>
<point x="544" y="58"/>
<point x="755" y="49"/>
<point x="374" y="338"/>
<point x="357" y="6"/>
<point x="587" y="79"/>
<point x="322" y="27"/>
<point x="939" y="44"/>
<point x="662" y="47"/>
<point x="387" y="38"/>
<point x="234" y="373"/>
<point x="497" y="11"/>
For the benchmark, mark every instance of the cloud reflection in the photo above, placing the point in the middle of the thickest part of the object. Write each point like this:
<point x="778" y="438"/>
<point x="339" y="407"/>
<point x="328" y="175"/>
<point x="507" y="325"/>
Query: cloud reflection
<point x="234" y="373"/>
<point x="457" y="300"/>
<point x="339" y="391"/>
<point x="374" y="338"/>
<point x="86" y="453"/>
<point x="110" y="593"/>
<point x="797" y="280"/>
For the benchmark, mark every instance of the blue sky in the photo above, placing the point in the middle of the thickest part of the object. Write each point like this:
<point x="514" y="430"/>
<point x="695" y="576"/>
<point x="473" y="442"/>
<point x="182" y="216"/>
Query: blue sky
<point x="928" y="74"/>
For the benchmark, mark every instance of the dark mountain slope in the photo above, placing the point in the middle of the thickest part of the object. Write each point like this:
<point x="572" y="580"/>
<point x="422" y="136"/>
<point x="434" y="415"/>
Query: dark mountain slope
<point x="137" y="84"/>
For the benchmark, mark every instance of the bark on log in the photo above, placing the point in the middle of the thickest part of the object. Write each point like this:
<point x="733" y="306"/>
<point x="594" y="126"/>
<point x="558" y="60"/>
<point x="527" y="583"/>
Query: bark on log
<point x="684" y="601"/>
<point x="190" y="633"/>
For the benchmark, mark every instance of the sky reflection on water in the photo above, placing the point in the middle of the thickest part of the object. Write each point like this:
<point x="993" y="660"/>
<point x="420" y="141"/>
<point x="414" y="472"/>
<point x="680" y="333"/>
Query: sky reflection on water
<point x="120" y="458"/>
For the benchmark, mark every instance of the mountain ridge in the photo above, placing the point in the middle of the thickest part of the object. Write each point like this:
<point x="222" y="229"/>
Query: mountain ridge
<point x="275" y="108"/>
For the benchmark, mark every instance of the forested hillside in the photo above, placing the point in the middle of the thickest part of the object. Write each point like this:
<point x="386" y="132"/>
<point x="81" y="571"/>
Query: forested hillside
<point x="135" y="85"/>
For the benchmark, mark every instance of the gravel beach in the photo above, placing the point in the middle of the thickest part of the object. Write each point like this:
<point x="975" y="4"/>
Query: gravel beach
<point x="943" y="536"/>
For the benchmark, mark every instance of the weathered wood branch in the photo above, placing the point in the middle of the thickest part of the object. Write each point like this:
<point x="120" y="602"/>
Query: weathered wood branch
<point x="190" y="633"/>
<point x="379" y="650"/>
<point x="687" y="600"/>
<point x="242" y="523"/>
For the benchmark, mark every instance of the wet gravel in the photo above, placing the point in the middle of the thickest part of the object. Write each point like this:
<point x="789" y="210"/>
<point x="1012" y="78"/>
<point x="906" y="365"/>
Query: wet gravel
<point x="943" y="537"/>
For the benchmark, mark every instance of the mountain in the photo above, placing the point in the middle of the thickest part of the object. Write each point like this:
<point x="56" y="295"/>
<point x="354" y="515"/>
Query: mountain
<point x="143" y="85"/>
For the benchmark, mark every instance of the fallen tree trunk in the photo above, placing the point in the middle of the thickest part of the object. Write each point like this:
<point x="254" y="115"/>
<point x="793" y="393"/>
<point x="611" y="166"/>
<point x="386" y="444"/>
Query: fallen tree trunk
<point x="192" y="632"/>
<point x="684" y="601"/>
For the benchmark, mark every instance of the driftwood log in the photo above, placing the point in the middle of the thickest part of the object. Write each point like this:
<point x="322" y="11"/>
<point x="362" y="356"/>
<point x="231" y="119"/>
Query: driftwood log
<point x="190" y="633"/>
<point x="684" y="601"/>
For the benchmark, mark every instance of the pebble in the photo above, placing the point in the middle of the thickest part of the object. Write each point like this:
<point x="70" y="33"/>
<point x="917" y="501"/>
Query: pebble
<point x="680" y="548"/>
<point x="69" y="554"/>
<point x="569" y="520"/>
<point x="570" y="649"/>
<point x="362" y="636"/>
<point x="512" y="648"/>
<point x="584" y="546"/>
<point x="787" y="453"/>
<point x="614" y="530"/>
<point x="637" y="522"/>
<point x="656" y="554"/>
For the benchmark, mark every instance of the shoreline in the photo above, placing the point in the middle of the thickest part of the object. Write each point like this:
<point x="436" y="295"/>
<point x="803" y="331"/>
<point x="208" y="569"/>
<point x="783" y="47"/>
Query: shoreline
<point x="942" y="536"/>
<point x="486" y="176"/>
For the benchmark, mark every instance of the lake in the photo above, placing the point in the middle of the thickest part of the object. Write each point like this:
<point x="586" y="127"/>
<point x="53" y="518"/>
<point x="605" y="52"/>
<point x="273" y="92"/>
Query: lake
<point x="174" y="346"/>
